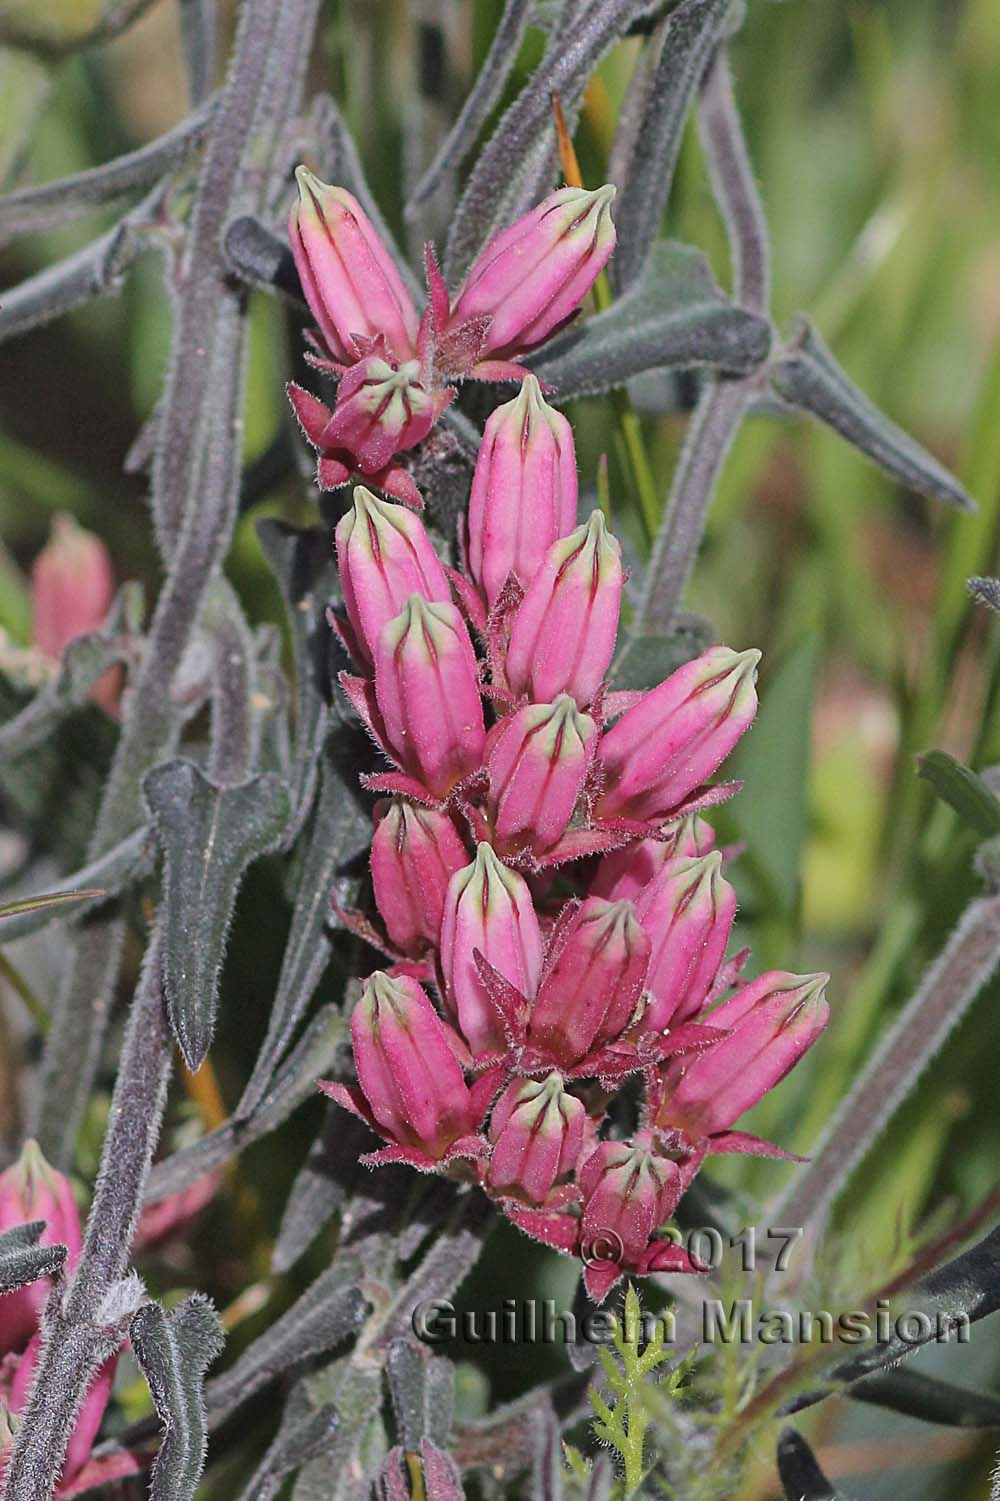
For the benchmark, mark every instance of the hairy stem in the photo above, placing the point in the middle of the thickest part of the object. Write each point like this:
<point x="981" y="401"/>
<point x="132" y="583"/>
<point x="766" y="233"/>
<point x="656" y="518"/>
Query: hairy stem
<point x="78" y="1343"/>
<point x="967" y="961"/>
<point x="723" y="403"/>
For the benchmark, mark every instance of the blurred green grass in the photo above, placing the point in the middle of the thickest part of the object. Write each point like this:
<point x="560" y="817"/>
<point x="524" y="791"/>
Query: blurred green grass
<point x="875" y="136"/>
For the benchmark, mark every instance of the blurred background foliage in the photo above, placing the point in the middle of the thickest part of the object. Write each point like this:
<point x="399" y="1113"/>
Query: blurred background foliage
<point x="875" y="135"/>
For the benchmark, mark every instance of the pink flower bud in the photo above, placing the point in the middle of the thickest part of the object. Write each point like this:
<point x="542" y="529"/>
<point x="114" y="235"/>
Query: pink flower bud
<point x="381" y="409"/>
<point x="427" y="691"/>
<point x="688" y="912"/>
<point x="625" y="872"/>
<point x="593" y="985"/>
<point x="537" y="765"/>
<point x="32" y="1190"/>
<point x="488" y="908"/>
<point x="534" y="275"/>
<point x="410" y="1077"/>
<point x="71" y="587"/>
<point x="89" y="1418"/>
<point x="415" y="853"/>
<point x="347" y="275"/>
<point x="384" y="555"/>
<point x="678" y="734"/>
<point x="537" y="1136"/>
<point x="629" y="1189"/>
<point x="563" y="636"/>
<point x="774" y="1020"/>
<point x="524" y="490"/>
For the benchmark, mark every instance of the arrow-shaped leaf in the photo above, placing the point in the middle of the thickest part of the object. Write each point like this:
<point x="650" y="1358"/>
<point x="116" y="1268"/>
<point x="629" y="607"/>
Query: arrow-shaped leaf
<point x="209" y="835"/>
<point x="674" y="314"/>
<point x="808" y="376"/>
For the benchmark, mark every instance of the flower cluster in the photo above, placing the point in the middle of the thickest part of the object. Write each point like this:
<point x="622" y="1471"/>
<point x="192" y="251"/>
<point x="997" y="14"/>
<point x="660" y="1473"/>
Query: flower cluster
<point x="395" y="368"/>
<point x="539" y="856"/>
<point x="32" y="1190"/>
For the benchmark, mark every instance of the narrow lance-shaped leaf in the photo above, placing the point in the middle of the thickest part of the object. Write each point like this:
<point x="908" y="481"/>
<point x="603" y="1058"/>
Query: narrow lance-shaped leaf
<point x="33" y="209"/>
<point x="675" y="314"/>
<point x="337" y="849"/>
<point x="801" y="1477"/>
<point x="300" y="1438"/>
<point x="209" y="835"/>
<point x="295" y="1081"/>
<point x="321" y="1185"/>
<point x="961" y="1292"/>
<point x="303" y="564"/>
<point x="326" y="1314"/>
<point x="807" y="375"/>
<point x="486" y="90"/>
<point x="925" y="1397"/>
<point x="23" y="1260"/>
<point x="654" y="124"/>
<point x="174" y="1351"/>
<point x="962" y="790"/>
<point x="518" y="163"/>
<point x="422" y="1390"/>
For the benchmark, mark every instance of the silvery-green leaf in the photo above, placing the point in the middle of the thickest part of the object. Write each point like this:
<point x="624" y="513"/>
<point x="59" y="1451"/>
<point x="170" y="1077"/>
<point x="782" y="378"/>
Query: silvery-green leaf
<point x="807" y="375"/>
<point x="674" y="315"/>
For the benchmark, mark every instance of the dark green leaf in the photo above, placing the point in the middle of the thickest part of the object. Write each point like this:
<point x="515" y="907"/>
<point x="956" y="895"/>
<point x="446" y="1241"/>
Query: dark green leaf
<point x="23" y="1260"/>
<point x="303" y="564"/>
<point x="174" y="1351"/>
<point x="422" y="1390"/>
<point x="337" y="849"/>
<point x="964" y="1290"/>
<point x="773" y="763"/>
<point x="675" y="314"/>
<point x="962" y="790"/>
<point x="808" y="376"/>
<point x="306" y="1433"/>
<point x="321" y="1185"/>
<point x="644" y="661"/>
<point x="325" y="1315"/>
<point x="651" y="126"/>
<point x="927" y="1398"/>
<point x="209" y="835"/>
<point x="801" y="1476"/>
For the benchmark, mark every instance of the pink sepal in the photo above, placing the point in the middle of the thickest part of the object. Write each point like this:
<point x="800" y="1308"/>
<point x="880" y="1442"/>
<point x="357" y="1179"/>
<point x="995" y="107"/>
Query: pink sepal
<point x="744" y="1144"/>
<point x="502" y="370"/>
<point x="468" y="599"/>
<point x="559" y="1230"/>
<point x="664" y="1256"/>
<point x="360" y="693"/>
<point x="311" y="414"/>
<point x="398" y="782"/>
<point x="332" y="473"/>
<point x="100" y="1472"/>
<point x="599" y="1277"/>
